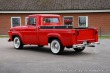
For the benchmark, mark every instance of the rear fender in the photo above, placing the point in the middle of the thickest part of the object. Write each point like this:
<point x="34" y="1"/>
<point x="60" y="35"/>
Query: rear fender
<point x="55" y="35"/>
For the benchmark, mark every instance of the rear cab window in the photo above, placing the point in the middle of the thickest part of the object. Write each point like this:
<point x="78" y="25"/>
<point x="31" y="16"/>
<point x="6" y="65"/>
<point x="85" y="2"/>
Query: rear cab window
<point x="51" y="20"/>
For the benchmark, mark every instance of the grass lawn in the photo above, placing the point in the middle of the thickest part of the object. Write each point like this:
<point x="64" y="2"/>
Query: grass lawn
<point x="104" y="37"/>
<point x="4" y="36"/>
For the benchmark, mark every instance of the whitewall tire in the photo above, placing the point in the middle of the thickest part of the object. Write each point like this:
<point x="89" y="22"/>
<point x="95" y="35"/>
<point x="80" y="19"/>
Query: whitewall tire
<point x="56" y="47"/>
<point x="17" y="43"/>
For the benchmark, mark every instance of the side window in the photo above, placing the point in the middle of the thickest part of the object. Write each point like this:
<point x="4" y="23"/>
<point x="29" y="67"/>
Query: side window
<point x="68" y="20"/>
<point x="32" y="21"/>
<point x="15" y="21"/>
<point x="83" y="21"/>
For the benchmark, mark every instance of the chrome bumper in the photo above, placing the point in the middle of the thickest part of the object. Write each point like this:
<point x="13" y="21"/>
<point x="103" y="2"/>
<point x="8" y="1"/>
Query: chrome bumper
<point x="86" y="45"/>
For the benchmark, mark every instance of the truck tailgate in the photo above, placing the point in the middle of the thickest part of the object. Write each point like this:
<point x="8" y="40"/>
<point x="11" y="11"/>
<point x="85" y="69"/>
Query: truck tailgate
<point x="85" y="35"/>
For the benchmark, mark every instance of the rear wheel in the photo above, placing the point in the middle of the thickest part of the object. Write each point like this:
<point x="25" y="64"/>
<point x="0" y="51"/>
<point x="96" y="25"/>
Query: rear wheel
<point x="56" y="47"/>
<point x="18" y="44"/>
<point x="79" y="49"/>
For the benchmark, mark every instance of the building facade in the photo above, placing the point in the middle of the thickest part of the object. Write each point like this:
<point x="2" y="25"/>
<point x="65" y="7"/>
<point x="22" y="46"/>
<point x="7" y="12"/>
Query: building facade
<point x="80" y="14"/>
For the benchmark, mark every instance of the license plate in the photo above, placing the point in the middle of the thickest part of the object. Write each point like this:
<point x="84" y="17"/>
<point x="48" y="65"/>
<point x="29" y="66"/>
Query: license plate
<point x="85" y="42"/>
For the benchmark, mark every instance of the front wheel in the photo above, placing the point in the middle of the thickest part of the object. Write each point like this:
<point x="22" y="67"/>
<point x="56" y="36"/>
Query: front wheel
<point x="56" y="47"/>
<point x="18" y="43"/>
<point x="79" y="49"/>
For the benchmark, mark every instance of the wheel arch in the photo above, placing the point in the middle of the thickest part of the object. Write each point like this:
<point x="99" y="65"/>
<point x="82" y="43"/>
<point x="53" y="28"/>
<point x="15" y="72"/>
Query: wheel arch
<point x="53" y="36"/>
<point x="17" y="34"/>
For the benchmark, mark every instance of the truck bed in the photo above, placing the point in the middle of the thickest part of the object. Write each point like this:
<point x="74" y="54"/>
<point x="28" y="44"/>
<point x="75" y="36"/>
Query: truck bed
<point x="80" y="34"/>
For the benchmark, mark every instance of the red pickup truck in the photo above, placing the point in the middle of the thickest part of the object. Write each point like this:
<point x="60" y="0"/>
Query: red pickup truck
<point x="42" y="29"/>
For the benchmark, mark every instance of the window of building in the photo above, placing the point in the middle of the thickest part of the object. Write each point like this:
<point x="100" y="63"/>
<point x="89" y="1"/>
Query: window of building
<point x="15" y="21"/>
<point x="26" y="20"/>
<point x="83" y="21"/>
<point x="50" y="20"/>
<point x="68" y="20"/>
<point x="32" y="21"/>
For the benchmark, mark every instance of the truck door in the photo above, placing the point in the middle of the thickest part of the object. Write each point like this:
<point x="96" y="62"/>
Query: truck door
<point x="31" y="33"/>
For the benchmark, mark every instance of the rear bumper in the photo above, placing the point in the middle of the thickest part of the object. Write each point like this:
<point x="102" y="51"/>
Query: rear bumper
<point x="86" y="45"/>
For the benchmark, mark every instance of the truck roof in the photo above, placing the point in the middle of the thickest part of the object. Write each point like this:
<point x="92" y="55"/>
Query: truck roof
<point x="44" y="15"/>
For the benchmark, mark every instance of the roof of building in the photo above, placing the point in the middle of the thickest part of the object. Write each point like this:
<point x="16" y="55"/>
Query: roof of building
<point x="52" y="5"/>
<point x="44" y="15"/>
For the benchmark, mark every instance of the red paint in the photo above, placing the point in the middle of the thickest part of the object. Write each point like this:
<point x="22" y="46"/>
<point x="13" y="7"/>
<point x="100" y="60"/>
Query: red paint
<point x="34" y="35"/>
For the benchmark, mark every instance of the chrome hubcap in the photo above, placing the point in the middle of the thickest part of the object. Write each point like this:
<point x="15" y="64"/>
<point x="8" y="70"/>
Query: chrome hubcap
<point x="16" y="42"/>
